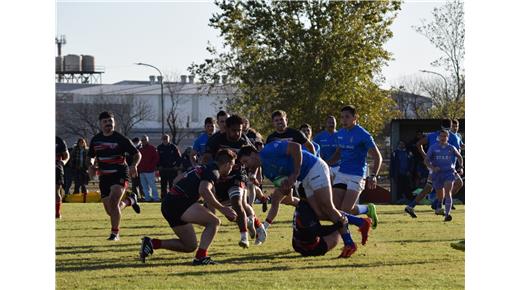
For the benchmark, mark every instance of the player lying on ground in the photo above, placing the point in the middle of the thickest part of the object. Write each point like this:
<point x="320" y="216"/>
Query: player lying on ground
<point x="181" y="209"/>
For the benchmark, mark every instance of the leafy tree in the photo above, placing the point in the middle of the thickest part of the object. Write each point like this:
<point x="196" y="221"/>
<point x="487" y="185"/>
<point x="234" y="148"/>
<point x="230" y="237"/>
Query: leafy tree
<point x="308" y="58"/>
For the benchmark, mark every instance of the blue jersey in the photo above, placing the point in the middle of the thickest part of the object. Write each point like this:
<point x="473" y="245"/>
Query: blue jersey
<point x="327" y="145"/>
<point x="433" y="138"/>
<point x="200" y="143"/>
<point x="354" y="144"/>
<point x="277" y="162"/>
<point x="442" y="156"/>
<point x="316" y="148"/>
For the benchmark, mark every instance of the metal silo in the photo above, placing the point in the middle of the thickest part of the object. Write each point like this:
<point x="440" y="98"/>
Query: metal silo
<point x="87" y="63"/>
<point x="72" y="62"/>
<point x="59" y="63"/>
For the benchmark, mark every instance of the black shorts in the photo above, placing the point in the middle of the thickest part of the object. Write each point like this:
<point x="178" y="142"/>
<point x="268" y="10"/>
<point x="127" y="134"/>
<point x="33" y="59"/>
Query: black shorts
<point x="316" y="248"/>
<point x="174" y="206"/>
<point x="60" y="174"/>
<point x="236" y="178"/>
<point x="106" y="181"/>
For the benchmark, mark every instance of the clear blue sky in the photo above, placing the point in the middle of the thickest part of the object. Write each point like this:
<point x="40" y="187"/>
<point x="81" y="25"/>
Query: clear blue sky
<point x="173" y="34"/>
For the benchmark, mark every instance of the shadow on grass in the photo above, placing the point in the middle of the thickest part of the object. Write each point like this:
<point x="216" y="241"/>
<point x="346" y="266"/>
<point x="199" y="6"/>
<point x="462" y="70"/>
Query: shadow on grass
<point x="421" y="241"/>
<point x="107" y="228"/>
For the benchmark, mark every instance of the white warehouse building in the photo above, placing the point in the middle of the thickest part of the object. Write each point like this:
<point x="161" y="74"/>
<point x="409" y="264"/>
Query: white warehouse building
<point x="191" y="102"/>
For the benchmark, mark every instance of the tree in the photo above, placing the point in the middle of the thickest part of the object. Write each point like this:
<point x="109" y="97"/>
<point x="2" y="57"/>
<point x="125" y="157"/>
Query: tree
<point x="308" y="58"/>
<point x="446" y="32"/>
<point x="81" y="119"/>
<point x="174" y="116"/>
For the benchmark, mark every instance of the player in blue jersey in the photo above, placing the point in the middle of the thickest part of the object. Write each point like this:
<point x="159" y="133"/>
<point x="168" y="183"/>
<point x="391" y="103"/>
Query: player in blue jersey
<point x="429" y="140"/>
<point x="307" y="131"/>
<point x="327" y="142"/>
<point x="353" y="144"/>
<point x="199" y="145"/>
<point x="440" y="159"/>
<point x="286" y="159"/>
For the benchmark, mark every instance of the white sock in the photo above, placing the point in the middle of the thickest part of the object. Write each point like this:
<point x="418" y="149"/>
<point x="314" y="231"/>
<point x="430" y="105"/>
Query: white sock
<point x="266" y="225"/>
<point x="243" y="236"/>
<point x="362" y="208"/>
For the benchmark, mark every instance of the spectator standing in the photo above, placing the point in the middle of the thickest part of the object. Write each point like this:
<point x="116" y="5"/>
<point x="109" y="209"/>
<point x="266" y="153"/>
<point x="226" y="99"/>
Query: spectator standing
<point x="169" y="158"/>
<point x="80" y="164"/>
<point x="400" y="170"/>
<point x="419" y="170"/>
<point x="146" y="169"/>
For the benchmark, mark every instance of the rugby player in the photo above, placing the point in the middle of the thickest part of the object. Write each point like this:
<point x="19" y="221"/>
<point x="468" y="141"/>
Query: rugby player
<point x="440" y="159"/>
<point x="429" y="140"/>
<point x="62" y="156"/>
<point x="353" y="144"/>
<point x="109" y="148"/>
<point x="284" y="163"/>
<point x="181" y="210"/>
<point x="232" y="189"/>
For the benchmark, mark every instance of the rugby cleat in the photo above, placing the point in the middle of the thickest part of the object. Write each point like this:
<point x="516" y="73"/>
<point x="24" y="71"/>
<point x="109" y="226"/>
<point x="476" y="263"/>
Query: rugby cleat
<point x="113" y="237"/>
<point x="409" y="210"/>
<point x="347" y="251"/>
<point x="251" y="228"/>
<point x="372" y="213"/>
<point x="448" y="218"/>
<point x="135" y="205"/>
<point x="203" y="261"/>
<point x="146" y="249"/>
<point x="261" y="235"/>
<point x="439" y="211"/>
<point x="244" y="243"/>
<point x="364" y="228"/>
<point x="459" y="245"/>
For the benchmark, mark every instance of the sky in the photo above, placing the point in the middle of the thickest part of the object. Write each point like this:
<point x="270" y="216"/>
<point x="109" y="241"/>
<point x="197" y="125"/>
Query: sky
<point x="172" y="35"/>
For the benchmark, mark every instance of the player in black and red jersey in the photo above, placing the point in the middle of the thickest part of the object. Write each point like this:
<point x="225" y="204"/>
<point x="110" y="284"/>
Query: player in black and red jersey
<point x="62" y="156"/>
<point x="181" y="209"/>
<point x="233" y="187"/>
<point x="109" y="148"/>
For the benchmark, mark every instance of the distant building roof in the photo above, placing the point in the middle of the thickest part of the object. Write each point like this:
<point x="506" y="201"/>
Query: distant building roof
<point x="63" y="87"/>
<point x="145" y="88"/>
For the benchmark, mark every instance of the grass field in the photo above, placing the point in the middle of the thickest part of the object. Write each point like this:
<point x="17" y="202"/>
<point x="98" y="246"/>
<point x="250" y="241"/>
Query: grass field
<point x="402" y="253"/>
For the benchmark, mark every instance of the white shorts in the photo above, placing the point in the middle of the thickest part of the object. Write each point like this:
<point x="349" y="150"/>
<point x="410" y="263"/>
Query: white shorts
<point x="353" y="182"/>
<point x="318" y="177"/>
<point x="333" y="172"/>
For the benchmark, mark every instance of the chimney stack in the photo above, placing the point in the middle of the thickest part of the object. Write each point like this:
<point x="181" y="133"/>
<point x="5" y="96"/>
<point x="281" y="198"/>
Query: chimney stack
<point x="191" y="78"/>
<point x="183" y="79"/>
<point x="152" y="80"/>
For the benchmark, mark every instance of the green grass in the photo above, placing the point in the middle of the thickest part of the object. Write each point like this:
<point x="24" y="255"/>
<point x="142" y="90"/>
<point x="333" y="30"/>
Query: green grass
<point x="402" y="253"/>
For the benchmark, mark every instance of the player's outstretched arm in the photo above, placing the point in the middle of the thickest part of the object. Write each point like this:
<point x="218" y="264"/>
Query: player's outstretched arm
<point x="206" y="191"/>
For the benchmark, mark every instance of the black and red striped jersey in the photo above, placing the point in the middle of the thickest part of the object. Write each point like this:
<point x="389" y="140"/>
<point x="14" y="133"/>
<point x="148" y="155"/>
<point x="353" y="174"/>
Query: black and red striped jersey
<point x="191" y="179"/>
<point x="110" y="152"/>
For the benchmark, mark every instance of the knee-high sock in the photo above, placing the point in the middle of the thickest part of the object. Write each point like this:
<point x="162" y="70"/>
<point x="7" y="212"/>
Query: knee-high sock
<point x="449" y="202"/>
